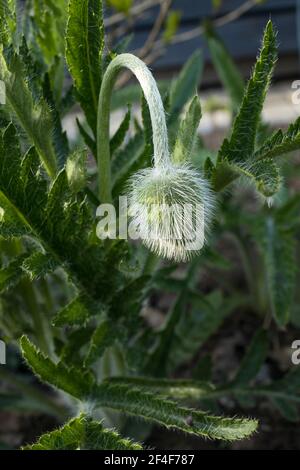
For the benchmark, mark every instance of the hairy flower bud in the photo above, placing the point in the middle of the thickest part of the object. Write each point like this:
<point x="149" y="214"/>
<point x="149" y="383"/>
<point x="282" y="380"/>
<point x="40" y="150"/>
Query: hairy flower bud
<point x="172" y="207"/>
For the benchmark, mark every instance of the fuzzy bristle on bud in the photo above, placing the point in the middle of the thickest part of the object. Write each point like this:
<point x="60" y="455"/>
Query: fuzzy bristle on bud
<point x="171" y="207"/>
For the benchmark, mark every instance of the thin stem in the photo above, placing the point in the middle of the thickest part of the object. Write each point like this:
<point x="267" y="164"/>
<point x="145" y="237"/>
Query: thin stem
<point x="158" y="120"/>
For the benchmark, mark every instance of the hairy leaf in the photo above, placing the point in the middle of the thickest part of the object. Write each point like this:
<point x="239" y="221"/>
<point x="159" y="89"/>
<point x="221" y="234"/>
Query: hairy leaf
<point x="84" y="46"/>
<point x="72" y="381"/>
<point x="277" y="246"/>
<point x="153" y="407"/>
<point x="187" y="132"/>
<point x="39" y="264"/>
<point x="83" y="433"/>
<point x="280" y="142"/>
<point x="103" y="336"/>
<point x="240" y="146"/>
<point x="33" y="117"/>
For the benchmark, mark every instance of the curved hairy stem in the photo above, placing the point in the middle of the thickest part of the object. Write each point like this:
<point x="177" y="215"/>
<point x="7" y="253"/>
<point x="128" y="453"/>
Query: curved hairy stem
<point x="159" y="127"/>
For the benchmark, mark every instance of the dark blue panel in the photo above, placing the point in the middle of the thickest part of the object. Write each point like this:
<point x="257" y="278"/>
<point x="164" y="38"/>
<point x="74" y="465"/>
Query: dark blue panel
<point x="195" y="11"/>
<point x="242" y="38"/>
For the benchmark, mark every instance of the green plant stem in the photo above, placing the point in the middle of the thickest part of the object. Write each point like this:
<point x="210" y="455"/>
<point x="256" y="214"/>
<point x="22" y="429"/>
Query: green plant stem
<point x="161" y="155"/>
<point x="49" y="404"/>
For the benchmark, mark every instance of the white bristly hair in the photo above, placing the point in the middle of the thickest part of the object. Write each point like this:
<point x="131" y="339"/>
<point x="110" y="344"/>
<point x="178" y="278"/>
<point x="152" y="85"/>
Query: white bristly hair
<point x="153" y="192"/>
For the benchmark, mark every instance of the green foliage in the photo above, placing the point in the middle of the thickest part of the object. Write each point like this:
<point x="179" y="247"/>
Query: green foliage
<point x="11" y="274"/>
<point x="50" y="20"/>
<point x="82" y="433"/>
<point x="38" y="265"/>
<point x="187" y="132"/>
<point x="236" y="156"/>
<point x="277" y="243"/>
<point x="280" y="142"/>
<point x="84" y="46"/>
<point x="176" y="389"/>
<point x="167" y="413"/>
<point x="8" y="21"/>
<point x="33" y="117"/>
<point x="241" y="144"/>
<point x="87" y="304"/>
<point x="76" y="383"/>
<point x="102" y="337"/>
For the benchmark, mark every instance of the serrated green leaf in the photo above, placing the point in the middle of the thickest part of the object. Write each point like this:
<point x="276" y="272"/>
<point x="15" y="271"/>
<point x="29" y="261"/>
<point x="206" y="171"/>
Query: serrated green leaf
<point x="187" y="132"/>
<point x="149" y="406"/>
<point x="39" y="264"/>
<point x="84" y="46"/>
<point x="33" y="117"/>
<point x="11" y="274"/>
<point x="264" y="174"/>
<point x="240" y="146"/>
<point x="50" y="18"/>
<point x="75" y="313"/>
<point x="277" y="246"/>
<point x="76" y="170"/>
<point x="83" y="433"/>
<point x="8" y="24"/>
<point x="280" y="142"/>
<point x="72" y="381"/>
<point x="104" y="336"/>
<point x="59" y="136"/>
